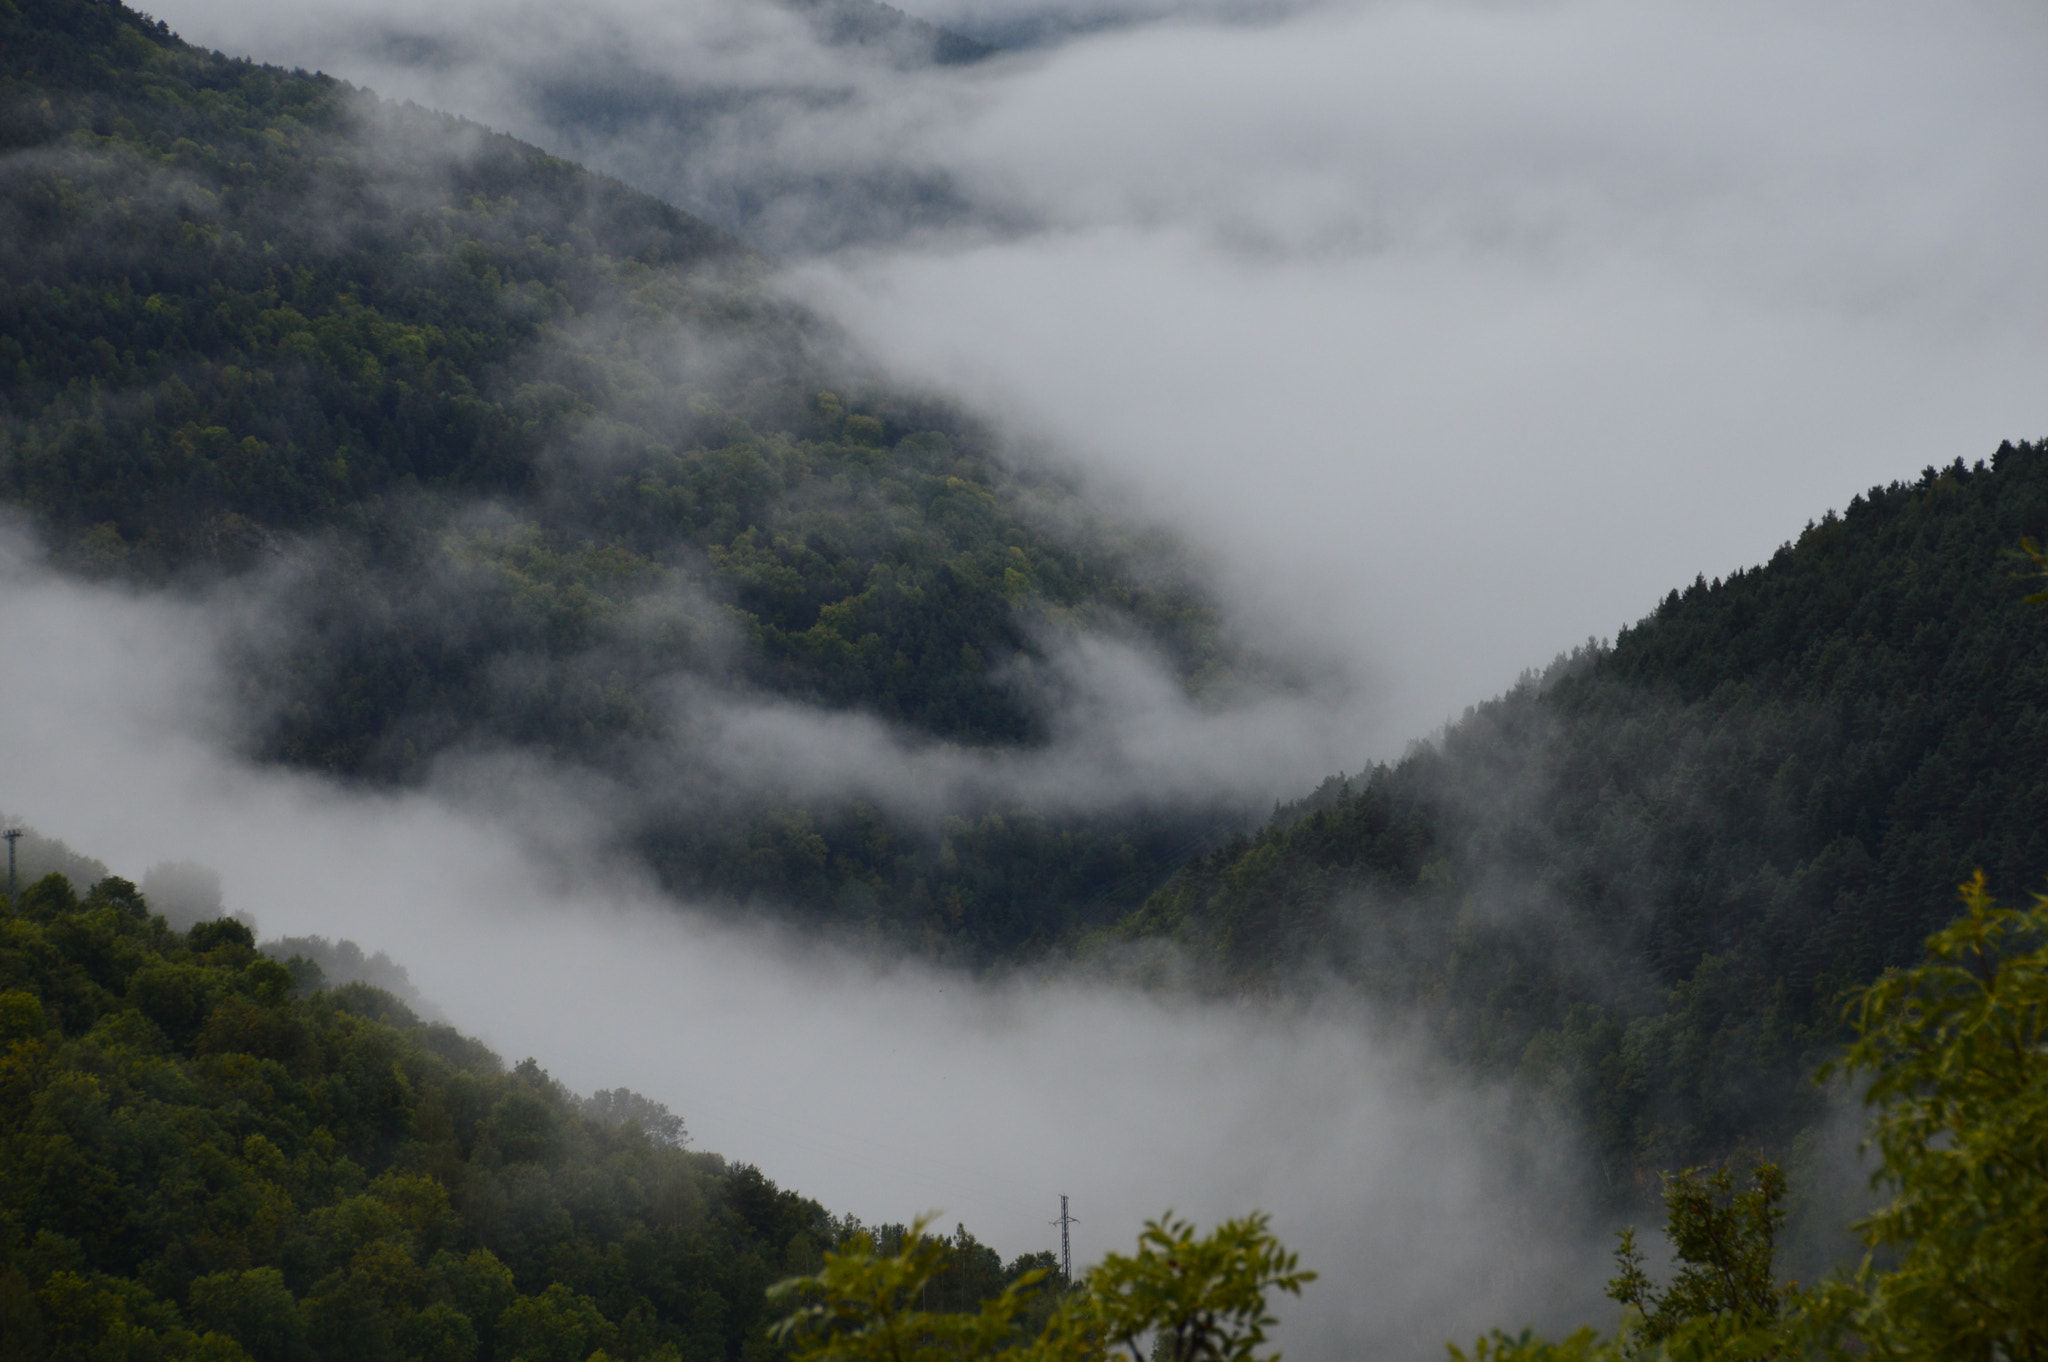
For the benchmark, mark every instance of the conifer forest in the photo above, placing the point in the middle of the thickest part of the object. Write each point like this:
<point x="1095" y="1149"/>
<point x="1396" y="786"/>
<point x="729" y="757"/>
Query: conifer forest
<point x="667" y="670"/>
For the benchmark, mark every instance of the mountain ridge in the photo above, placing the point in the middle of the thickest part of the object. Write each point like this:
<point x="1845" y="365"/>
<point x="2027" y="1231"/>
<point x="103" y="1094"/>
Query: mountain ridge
<point x="1639" y="880"/>
<point x="207" y="1155"/>
<point x="519" y="457"/>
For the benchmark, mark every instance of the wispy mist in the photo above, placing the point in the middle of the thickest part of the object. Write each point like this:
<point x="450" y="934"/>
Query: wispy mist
<point x="1459" y="332"/>
<point x="1462" y="332"/>
<point x="1123" y="731"/>
<point x="1453" y="333"/>
<point x="882" y="1090"/>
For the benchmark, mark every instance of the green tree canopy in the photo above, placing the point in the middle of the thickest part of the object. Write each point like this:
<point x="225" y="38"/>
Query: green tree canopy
<point x="1186" y="1297"/>
<point x="1955" y="1052"/>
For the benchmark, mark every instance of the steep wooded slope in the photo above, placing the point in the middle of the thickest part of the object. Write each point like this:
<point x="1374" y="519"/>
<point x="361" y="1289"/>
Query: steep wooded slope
<point x="872" y="24"/>
<point x="521" y="457"/>
<point x="204" y="1157"/>
<point x="1641" y="879"/>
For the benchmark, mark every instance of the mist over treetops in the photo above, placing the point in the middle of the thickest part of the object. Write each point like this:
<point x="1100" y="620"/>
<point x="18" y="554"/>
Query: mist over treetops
<point x="474" y="466"/>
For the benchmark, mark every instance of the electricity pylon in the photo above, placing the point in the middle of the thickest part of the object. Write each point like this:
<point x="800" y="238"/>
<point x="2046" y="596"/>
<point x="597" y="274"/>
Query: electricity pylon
<point x="1066" y="1252"/>
<point x="13" y="835"/>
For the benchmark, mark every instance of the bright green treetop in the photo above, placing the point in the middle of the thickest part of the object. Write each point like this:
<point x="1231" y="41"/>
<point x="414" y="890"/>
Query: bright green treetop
<point x="1956" y="1050"/>
<point x="1195" y="1300"/>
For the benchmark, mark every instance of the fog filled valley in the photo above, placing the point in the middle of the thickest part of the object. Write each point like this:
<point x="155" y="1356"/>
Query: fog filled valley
<point x="1380" y="613"/>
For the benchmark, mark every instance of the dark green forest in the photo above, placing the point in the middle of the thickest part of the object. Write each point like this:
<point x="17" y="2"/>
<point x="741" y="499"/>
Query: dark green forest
<point x="504" y="455"/>
<point x="206" y="1155"/>
<point x="872" y="24"/>
<point x="513" y="455"/>
<point x="1642" y="881"/>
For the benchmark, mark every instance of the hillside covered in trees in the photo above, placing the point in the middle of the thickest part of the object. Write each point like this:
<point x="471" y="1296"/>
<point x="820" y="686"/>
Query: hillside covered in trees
<point x="507" y="455"/>
<point x="512" y="455"/>
<point x="1641" y="881"/>
<point x="204" y="1154"/>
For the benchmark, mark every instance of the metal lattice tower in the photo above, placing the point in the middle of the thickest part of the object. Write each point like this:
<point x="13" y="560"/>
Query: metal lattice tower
<point x="1066" y="1252"/>
<point x="13" y="835"/>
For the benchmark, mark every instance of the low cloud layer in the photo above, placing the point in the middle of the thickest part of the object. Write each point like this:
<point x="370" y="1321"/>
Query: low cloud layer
<point x="1458" y="331"/>
<point x="1452" y="332"/>
<point x="883" y="1091"/>
<point x="1124" y="733"/>
<point x="1462" y="332"/>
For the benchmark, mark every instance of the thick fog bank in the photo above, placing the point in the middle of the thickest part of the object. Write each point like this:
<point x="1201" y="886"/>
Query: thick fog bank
<point x="1458" y="331"/>
<point x="1463" y="332"/>
<point x="1453" y="333"/>
<point x="882" y="1092"/>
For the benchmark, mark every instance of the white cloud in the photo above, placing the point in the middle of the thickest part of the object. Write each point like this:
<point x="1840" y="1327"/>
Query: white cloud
<point x="883" y="1091"/>
<point x="1457" y="331"/>
<point x="1123" y="734"/>
<point x="1460" y="332"/>
<point x="1454" y="332"/>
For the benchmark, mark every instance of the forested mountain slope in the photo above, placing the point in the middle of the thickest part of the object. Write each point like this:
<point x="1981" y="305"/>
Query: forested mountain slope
<point x="873" y="24"/>
<point x="205" y="1156"/>
<point x="759" y="116"/>
<point x="513" y="455"/>
<point x="1641" y="879"/>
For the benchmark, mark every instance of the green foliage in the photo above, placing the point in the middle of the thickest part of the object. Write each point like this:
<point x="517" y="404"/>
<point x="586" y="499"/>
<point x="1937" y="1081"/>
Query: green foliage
<point x="1201" y="1300"/>
<point x="198" y="1160"/>
<point x="1197" y="1299"/>
<point x="1639" y="884"/>
<point x="869" y="23"/>
<point x="1723" y="1305"/>
<point x="1726" y="1241"/>
<point x="255" y="1308"/>
<point x="1584" y="1346"/>
<point x="867" y="1305"/>
<point x="2031" y="551"/>
<point x="252" y="318"/>
<point x="1712" y="1338"/>
<point x="1956" y="1050"/>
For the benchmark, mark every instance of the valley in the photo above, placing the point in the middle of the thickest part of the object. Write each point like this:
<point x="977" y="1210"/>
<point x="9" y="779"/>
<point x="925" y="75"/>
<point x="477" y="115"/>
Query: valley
<point x="904" y="653"/>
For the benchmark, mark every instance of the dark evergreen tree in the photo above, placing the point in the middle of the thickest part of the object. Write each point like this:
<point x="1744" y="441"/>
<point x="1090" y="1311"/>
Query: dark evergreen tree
<point x="1642" y="880"/>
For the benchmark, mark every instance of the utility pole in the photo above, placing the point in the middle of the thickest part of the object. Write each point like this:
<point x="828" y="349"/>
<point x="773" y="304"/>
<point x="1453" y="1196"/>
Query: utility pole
<point x="13" y="835"/>
<point x="1066" y="1252"/>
